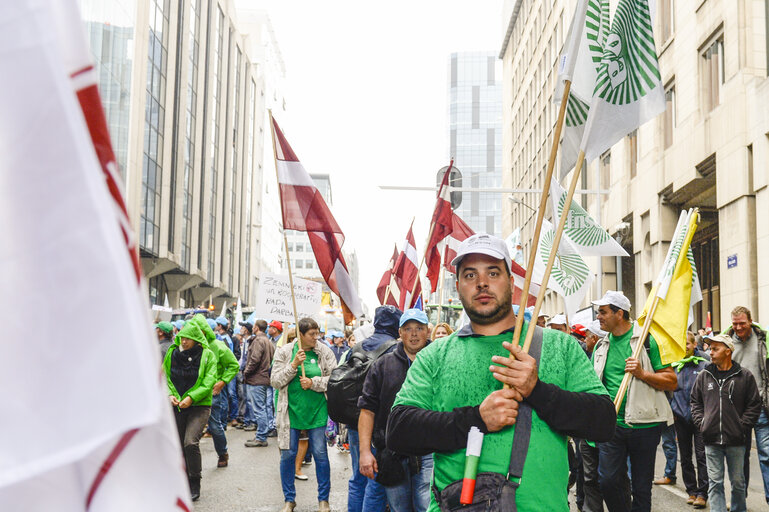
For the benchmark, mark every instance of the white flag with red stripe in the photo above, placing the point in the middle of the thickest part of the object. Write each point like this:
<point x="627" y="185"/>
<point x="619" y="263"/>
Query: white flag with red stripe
<point x="304" y="209"/>
<point x="103" y="427"/>
<point x="460" y="231"/>
<point x="441" y="226"/>
<point x="406" y="273"/>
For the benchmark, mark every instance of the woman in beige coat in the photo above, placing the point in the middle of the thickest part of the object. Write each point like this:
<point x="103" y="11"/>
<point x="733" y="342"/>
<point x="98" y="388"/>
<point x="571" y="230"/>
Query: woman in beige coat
<point x="300" y="373"/>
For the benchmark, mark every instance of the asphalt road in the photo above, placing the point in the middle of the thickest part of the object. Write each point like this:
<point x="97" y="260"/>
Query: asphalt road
<point x="251" y="483"/>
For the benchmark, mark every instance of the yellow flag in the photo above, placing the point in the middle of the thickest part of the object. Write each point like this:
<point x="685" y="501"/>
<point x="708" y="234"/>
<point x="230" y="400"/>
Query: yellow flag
<point x="671" y="317"/>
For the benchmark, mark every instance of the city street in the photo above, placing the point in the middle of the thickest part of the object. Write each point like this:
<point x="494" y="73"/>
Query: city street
<point x="251" y="483"/>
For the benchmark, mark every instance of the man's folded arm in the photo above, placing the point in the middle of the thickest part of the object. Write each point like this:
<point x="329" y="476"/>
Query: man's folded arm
<point x="415" y="431"/>
<point x="582" y="415"/>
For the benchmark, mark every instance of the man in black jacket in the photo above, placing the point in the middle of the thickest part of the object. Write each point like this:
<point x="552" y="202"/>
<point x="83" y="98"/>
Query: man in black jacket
<point x="725" y="406"/>
<point x="383" y="381"/>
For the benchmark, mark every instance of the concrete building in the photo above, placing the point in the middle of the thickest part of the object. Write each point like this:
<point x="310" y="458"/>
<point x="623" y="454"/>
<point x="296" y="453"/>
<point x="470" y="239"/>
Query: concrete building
<point x="710" y="149"/>
<point x="186" y="106"/>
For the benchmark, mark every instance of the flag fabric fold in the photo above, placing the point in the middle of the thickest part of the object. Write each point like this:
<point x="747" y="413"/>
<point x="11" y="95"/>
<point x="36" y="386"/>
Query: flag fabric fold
<point x="628" y="89"/>
<point x="441" y="226"/>
<point x="304" y="209"/>
<point x="73" y="251"/>
<point x="678" y="290"/>
<point x="460" y="231"/>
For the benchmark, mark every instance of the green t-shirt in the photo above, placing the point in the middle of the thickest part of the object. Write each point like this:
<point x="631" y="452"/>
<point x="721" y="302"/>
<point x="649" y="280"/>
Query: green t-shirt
<point x="454" y="372"/>
<point x="614" y="372"/>
<point x="306" y="408"/>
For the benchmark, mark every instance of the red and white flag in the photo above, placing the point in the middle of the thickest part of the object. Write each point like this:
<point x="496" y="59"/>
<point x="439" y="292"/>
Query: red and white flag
<point x="304" y="209"/>
<point x="385" y="282"/>
<point x="103" y="426"/>
<point x="441" y="226"/>
<point x="406" y="273"/>
<point x="460" y="231"/>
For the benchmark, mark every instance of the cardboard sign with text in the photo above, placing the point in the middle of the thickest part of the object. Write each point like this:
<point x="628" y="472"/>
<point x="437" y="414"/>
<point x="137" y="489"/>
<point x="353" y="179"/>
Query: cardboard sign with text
<point x="273" y="298"/>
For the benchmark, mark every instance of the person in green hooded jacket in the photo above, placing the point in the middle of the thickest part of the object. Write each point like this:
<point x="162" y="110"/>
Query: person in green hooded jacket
<point x="190" y="368"/>
<point x="226" y="369"/>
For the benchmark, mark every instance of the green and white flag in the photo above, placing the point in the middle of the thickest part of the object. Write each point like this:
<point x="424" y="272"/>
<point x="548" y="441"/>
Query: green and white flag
<point x="584" y="233"/>
<point x="628" y="90"/>
<point x="579" y="62"/>
<point x="570" y="277"/>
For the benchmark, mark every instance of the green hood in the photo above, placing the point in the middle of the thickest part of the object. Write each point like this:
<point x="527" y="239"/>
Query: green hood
<point x="193" y="332"/>
<point x="202" y="324"/>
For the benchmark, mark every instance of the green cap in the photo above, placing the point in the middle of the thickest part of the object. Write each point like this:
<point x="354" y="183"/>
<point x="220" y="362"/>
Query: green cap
<point x="166" y="327"/>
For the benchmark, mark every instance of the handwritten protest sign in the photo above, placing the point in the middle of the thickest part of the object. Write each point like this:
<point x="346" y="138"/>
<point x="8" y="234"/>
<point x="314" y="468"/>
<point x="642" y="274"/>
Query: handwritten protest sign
<point x="273" y="298"/>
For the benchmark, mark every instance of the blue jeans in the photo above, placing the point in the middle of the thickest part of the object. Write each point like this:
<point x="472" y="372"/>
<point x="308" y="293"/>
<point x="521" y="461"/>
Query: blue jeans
<point x="640" y="446"/>
<point x="259" y="399"/>
<point x="362" y="493"/>
<point x="215" y="427"/>
<point x="225" y="411"/>
<point x="670" y="451"/>
<point x="734" y="456"/>
<point x="271" y="407"/>
<point x="762" y="447"/>
<point x="414" y="492"/>
<point x="232" y="395"/>
<point x="322" y="468"/>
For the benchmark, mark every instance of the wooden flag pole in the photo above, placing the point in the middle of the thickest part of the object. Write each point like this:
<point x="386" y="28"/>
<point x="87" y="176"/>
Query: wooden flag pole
<point x="636" y="353"/>
<point x="285" y="238"/>
<point x="540" y="219"/>
<point x="556" y="244"/>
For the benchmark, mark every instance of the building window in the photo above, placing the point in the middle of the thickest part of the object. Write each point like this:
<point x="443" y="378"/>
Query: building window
<point x="213" y="175"/>
<point x="308" y="264"/>
<point x="667" y="18"/>
<point x="154" y="120"/>
<point x="299" y="263"/>
<point x="670" y="114"/>
<point x="190" y="130"/>
<point x="632" y="152"/>
<point x="604" y="166"/>
<point x="299" y="247"/>
<point x="712" y="74"/>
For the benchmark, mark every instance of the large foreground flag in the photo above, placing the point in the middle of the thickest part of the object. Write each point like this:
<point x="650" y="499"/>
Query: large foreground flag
<point x="570" y="277"/>
<point x="584" y="233"/>
<point x="387" y="277"/>
<point x="406" y="274"/>
<point x="441" y="226"/>
<point x="678" y="289"/>
<point x="305" y="210"/>
<point x="628" y="90"/>
<point x="103" y="428"/>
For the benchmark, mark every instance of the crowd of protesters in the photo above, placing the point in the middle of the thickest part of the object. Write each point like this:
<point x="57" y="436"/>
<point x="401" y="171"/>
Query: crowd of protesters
<point x="431" y="384"/>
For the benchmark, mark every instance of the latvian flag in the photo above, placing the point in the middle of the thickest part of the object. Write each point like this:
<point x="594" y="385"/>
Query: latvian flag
<point x="386" y="281"/>
<point x="440" y="227"/>
<point x="406" y="273"/>
<point x="304" y="209"/>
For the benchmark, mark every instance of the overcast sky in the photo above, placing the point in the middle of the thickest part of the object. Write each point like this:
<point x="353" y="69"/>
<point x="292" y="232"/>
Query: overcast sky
<point x="366" y="90"/>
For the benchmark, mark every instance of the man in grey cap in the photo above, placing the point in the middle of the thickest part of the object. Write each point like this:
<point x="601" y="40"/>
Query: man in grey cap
<point x="456" y="383"/>
<point x="644" y="413"/>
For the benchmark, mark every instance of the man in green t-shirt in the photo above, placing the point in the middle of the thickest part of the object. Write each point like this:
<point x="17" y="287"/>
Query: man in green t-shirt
<point x="456" y="383"/>
<point x="644" y="412"/>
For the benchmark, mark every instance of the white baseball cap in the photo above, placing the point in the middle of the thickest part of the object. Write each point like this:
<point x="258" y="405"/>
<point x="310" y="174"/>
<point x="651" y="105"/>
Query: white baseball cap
<point x="558" y="320"/>
<point x="483" y="243"/>
<point x="595" y="328"/>
<point x="614" y="298"/>
<point x="721" y="338"/>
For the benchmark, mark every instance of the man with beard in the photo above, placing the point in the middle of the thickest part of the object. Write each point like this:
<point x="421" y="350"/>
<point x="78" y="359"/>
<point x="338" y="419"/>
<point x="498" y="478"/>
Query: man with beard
<point x="455" y="383"/>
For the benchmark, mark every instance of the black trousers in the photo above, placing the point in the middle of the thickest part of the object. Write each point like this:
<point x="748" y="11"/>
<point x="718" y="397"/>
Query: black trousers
<point x="190" y="423"/>
<point x="593" y="499"/>
<point x="696" y="482"/>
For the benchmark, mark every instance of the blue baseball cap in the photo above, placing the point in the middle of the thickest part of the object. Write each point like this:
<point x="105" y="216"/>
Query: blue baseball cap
<point x="413" y="314"/>
<point x="222" y="321"/>
<point x="178" y="324"/>
<point x="211" y="323"/>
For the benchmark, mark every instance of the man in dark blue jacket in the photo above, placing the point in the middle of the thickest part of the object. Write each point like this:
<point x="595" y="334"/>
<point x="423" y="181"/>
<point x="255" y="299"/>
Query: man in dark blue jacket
<point x="687" y="433"/>
<point x="363" y="493"/>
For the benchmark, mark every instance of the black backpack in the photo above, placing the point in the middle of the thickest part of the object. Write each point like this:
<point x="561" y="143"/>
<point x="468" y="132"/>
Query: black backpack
<point x="345" y="385"/>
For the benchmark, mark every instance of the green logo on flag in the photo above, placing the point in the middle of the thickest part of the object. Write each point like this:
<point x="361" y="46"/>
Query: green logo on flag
<point x="580" y="227"/>
<point x="576" y="111"/>
<point x="629" y="67"/>
<point x="597" y="28"/>
<point x="569" y="271"/>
